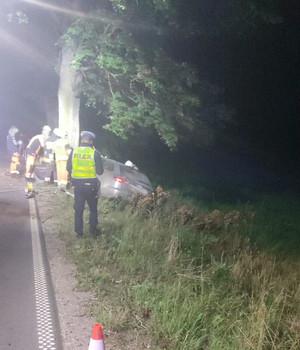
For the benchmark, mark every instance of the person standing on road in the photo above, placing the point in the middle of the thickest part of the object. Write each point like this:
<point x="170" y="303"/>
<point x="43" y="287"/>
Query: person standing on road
<point x="48" y="157"/>
<point x="35" y="146"/>
<point x="83" y="165"/>
<point x="62" y="149"/>
<point x="13" y="148"/>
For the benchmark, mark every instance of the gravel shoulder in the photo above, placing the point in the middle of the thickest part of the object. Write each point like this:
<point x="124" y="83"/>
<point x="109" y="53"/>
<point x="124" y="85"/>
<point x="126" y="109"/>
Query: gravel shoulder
<point x="73" y="304"/>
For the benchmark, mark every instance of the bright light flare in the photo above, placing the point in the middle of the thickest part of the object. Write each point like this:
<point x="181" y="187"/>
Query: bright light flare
<point x="30" y="54"/>
<point x="56" y="8"/>
<point x="81" y="14"/>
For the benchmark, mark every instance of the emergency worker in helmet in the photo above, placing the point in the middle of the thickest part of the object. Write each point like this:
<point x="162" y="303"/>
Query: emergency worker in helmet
<point x="47" y="160"/>
<point x="33" y="149"/>
<point x="13" y="148"/>
<point x="84" y="164"/>
<point x="62" y="149"/>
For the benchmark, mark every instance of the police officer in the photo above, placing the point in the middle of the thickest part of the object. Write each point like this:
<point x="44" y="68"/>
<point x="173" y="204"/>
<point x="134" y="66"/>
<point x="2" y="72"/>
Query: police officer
<point x="84" y="164"/>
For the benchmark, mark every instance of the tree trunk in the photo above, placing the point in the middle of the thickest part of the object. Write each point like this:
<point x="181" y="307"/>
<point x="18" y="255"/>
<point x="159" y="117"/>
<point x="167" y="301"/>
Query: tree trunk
<point x="51" y="109"/>
<point x="68" y="102"/>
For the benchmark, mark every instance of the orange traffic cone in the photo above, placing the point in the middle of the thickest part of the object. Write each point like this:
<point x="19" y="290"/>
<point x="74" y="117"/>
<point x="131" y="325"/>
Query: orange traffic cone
<point x="96" y="342"/>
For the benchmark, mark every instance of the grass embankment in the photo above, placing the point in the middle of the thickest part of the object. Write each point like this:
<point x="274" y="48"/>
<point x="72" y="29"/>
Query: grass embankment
<point x="194" y="278"/>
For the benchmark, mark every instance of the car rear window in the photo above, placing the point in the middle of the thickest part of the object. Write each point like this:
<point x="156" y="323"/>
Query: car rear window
<point x="107" y="165"/>
<point x="133" y="175"/>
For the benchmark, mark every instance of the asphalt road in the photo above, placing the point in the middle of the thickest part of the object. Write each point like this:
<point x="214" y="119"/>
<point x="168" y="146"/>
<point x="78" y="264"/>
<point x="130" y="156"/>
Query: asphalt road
<point x="28" y="318"/>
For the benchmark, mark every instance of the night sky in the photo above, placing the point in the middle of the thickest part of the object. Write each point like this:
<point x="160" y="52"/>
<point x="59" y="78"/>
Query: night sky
<point x="258" y="73"/>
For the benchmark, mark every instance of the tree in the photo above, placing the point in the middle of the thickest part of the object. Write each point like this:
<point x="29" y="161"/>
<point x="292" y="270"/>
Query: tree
<point x="130" y="84"/>
<point x="128" y="76"/>
<point x="122" y="61"/>
<point x="69" y="78"/>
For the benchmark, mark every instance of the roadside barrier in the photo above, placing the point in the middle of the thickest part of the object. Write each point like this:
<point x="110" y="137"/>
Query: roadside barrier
<point x="96" y="342"/>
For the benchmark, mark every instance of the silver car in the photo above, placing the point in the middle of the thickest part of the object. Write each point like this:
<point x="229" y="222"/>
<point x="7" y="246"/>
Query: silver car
<point x="121" y="180"/>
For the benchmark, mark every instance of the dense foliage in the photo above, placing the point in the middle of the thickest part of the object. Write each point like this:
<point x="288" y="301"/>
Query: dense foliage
<point x="131" y="83"/>
<point x="133" y="57"/>
<point x="133" y="80"/>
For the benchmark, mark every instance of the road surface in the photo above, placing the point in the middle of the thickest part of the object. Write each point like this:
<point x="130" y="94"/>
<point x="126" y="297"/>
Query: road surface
<point x="28" y="317"/>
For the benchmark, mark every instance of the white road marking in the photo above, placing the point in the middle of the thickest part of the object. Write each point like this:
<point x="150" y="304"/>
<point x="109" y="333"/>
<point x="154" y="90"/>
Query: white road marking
<point x="46" y="337"/>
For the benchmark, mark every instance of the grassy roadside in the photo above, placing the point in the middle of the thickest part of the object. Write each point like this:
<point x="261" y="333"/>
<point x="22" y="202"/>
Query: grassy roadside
<point x="193" y="278"/>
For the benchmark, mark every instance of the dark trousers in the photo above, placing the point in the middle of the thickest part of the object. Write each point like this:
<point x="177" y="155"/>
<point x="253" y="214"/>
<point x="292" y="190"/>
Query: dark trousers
<point x="85" y="191"/>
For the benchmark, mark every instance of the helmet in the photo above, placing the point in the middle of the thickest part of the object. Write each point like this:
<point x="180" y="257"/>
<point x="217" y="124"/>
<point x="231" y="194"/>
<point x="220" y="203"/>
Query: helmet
<point x="60" y="133"/>
<point x="88" y="134"/>
<point x="46" y="130"/>
<point x="13" y="130"/>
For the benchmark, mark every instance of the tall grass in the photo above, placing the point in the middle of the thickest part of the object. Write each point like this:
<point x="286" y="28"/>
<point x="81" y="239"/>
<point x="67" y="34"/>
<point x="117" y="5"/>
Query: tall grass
<point x="193" y="278"/>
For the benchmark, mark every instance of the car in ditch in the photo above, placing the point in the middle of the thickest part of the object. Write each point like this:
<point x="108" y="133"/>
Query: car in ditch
<point x="120" y="180"/>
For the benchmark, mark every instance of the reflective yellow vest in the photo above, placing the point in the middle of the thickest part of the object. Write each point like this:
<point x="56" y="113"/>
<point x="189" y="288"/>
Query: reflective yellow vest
<point x="83" y="164"/>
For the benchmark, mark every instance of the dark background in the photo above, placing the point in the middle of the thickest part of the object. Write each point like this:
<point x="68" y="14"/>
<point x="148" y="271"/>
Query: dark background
<point x="258" y="72"/>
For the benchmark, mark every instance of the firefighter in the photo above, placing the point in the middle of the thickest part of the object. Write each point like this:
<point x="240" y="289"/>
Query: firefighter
<point x="13" y="148"/>
<point x="33" y="149"/>
<point x="84" y="164"/>
<point x="48" y="160"/>
<point x="62" y="150"/>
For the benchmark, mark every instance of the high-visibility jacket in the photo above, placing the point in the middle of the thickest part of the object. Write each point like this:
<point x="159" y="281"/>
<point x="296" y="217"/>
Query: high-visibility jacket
<point x="35" y="145"/>
<point x="49" y="149"/>
<point x="83" y="163"/>
<point x="61" y="148"/>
